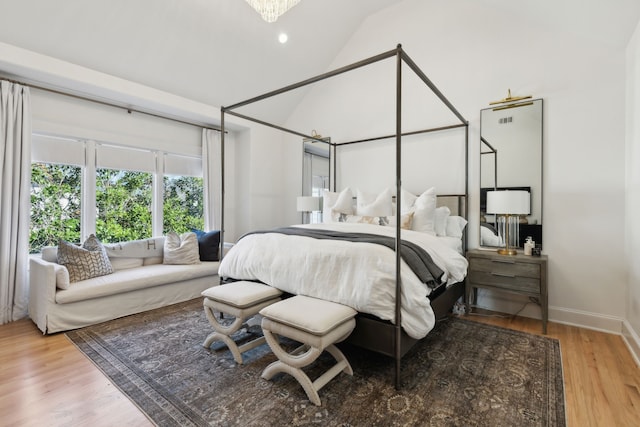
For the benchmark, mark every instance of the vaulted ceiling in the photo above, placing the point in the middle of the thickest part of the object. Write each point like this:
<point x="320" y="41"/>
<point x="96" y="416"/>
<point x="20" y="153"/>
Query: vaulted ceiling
<point x="219" y="52"/>
<point x="214" y="51"/>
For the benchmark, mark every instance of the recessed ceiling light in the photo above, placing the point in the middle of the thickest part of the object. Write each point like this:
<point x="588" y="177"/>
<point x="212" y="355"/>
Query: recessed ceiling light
<point x="282" y="38"/>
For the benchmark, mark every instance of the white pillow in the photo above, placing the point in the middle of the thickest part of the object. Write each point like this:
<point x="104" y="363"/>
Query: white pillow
<point x="136" y="248"/>
<point x="407" y="201"/>
<point x="374" y="205"/>
<point x="425" y="208"/>
<point x="182" y="249"/>
<point x="455" y="226"/>
<point x="440" y="222"/>
<point x="340" y="202"/>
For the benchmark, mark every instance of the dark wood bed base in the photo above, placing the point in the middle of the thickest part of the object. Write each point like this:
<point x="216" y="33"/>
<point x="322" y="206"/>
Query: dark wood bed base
<point x="377" y="335"/>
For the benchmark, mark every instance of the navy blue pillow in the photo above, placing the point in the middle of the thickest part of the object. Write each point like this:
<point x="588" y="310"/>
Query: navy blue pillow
<point x="208" y="244"/>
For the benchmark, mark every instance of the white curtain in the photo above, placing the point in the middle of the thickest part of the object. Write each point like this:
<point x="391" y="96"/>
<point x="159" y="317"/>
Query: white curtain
<point x="15" y="183"/>
<point x="212" y="184"/>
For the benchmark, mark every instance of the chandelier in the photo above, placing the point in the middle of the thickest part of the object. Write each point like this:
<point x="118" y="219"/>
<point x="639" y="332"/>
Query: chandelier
<point x="270" y="10"/>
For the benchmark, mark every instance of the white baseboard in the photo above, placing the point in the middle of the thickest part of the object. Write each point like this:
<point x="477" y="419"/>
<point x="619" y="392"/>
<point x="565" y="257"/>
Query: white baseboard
<point x="578" y="318"/>
<point x="583" y="319"/>
<point x="632" y="340"/>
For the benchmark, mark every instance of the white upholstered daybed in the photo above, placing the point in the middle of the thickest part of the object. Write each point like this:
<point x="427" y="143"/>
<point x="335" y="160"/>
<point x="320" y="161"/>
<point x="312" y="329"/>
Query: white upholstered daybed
<point x="139" y="282"/>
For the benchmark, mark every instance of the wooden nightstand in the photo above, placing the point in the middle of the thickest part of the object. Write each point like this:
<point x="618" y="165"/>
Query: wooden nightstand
<point x="520" y="274"/>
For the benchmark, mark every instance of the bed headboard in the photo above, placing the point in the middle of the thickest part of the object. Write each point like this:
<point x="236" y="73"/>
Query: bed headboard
<point x="457" y="203"/>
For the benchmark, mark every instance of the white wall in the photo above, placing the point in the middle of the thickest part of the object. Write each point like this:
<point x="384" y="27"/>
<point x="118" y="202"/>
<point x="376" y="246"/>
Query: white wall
<point x="474" y="55"/>
<point x="631" y="329"/>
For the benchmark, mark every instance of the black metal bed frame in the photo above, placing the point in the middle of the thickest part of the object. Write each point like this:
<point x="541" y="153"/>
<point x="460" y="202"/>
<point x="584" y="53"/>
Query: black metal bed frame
<point x="401" y="343"/>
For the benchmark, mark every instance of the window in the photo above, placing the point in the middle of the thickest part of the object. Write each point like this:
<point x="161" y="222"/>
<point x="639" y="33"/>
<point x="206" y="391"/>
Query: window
<point x="55" y="204"/>
<point x="183" y="204"/>
<point x="123" y="205"/>
<point x="117" y="193"/>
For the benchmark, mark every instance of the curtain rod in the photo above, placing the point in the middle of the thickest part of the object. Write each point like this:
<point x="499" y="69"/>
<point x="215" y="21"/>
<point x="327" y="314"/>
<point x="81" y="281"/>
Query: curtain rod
<point x="129" y="109"/>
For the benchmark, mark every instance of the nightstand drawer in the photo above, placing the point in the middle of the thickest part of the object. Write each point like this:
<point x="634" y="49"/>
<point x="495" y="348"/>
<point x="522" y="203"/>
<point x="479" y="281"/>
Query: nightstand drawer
<point x="504" y="268"/>
<point x="504" y="280"/>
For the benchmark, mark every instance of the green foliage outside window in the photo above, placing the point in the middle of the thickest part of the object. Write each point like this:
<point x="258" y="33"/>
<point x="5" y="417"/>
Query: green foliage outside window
<point x="123" y="205"/>
<point x="183" y="204"/>
<point x="55" y="205"/>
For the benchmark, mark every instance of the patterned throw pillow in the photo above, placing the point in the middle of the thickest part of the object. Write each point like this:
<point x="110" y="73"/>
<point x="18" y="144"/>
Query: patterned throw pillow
<point x="182" y="249"/>
<point x="390" y="221"/>
<point x="84" y="262"/>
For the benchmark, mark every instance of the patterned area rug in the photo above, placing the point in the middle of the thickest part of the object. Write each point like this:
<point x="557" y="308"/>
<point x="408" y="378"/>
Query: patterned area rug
<point x="463" y="374"/>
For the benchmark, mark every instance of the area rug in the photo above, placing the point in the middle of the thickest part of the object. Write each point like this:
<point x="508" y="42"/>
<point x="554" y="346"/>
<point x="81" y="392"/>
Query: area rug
<point x="463" y="374"/>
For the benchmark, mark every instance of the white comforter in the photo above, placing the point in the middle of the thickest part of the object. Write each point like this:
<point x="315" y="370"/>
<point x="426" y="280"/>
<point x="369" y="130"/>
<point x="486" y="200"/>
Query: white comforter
<point x="360" y="275"/>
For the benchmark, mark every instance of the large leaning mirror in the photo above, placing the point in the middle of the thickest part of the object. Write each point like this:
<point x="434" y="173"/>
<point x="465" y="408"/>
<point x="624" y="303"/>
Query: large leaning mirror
<point x="315" y="173"/>
<point x="511" y="159"/>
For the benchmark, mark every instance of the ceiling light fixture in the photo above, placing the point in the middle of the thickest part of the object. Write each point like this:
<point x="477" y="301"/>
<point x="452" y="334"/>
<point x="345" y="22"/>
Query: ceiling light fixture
<point x="270" y="10"/>
<point x="282" y="38"/>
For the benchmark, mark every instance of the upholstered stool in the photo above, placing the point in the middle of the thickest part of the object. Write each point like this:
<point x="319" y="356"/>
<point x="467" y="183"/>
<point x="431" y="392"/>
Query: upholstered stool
<point x="318" y="325"/>
<point x="241" y="300"/>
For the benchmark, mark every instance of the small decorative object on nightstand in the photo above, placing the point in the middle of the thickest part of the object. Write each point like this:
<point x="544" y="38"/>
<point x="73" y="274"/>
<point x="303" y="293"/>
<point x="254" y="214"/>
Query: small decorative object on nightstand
<point x="520" y="274"/>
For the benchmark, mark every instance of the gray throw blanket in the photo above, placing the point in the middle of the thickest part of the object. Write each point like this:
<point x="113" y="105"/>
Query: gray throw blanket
<point x="416" y="258"/>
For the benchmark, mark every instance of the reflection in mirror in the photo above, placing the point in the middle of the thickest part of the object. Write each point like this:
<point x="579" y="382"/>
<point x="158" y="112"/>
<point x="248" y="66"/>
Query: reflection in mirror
<point x="315" y="172"/>
<point x="511" y="159"/>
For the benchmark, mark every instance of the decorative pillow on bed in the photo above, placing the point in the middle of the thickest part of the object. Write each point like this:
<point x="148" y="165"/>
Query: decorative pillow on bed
<point x="407" y="201"/>
<point x="182" y="249"/>
<point x="376" y="220"/>
<point x="424" y="208"/>
<point x="208" y="244"/>
<point x="341" y="202"/>
<point x="82" y="263"/>
<point x="374" y="205"/>
<point x="440" y="220"/>
<point x="455" y="226"/>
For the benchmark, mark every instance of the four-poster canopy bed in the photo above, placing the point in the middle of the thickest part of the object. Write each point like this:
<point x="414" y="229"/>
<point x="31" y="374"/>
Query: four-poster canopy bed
<point x="384" y="336"/>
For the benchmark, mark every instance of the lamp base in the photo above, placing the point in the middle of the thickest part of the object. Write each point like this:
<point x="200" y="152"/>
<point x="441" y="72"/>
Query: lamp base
<point x="507" y="251"/>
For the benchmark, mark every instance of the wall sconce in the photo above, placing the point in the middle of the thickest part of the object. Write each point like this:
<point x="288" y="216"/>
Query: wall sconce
<point x="507" y="203"/>
<point x="306" y="205"/>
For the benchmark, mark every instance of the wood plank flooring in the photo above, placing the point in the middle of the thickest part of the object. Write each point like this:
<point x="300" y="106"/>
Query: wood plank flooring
<point x="45" y="380"/>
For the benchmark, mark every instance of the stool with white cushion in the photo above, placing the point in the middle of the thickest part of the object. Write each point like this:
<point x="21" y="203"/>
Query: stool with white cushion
<point x="318" y="325"/>
<point x="241" y="300"/>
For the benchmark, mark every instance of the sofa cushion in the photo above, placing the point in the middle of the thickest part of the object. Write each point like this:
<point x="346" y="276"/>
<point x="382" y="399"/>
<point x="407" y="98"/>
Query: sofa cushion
<point x="84" y="262"/>
<point x="181" y="249"/>
<point x="50" y="253"/>
<point x="208" y="244"/>
<point x="126" y="262"/>
<point x="136" y="278"/>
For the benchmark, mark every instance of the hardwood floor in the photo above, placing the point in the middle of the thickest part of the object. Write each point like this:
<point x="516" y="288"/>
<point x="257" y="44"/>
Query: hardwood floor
<point x="45" y="380"/>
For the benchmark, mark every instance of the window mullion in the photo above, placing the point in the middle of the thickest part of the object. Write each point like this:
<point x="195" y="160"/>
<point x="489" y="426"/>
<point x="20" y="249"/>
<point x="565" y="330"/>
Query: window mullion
<point x="88" y="207"/>
<point x="158" y="195"/>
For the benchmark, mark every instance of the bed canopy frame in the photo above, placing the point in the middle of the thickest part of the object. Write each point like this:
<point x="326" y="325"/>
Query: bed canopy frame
<point x="401" y="58"/>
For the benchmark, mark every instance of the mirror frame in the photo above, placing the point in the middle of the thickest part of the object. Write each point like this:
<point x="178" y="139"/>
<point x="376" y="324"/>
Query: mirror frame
<point x="489" y="148"/>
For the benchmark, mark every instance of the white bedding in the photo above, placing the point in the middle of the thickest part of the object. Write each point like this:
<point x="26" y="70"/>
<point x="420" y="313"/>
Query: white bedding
<point x="360" y="275"/>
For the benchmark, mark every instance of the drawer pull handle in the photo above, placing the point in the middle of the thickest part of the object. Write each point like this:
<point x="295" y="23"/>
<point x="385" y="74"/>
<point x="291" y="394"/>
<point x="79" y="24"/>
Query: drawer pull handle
<point x="504" y="262"/>
<point x="511" y="276"/>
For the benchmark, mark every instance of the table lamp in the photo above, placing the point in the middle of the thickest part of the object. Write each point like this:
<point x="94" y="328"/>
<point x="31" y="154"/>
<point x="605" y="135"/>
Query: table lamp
<point x="506" y="203"/>
<point x="306" y="205"/>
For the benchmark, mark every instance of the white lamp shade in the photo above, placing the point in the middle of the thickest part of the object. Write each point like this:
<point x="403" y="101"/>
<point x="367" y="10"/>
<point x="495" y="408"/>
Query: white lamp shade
<point x="308" y="204"/>
<point x="508" y="202"/>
